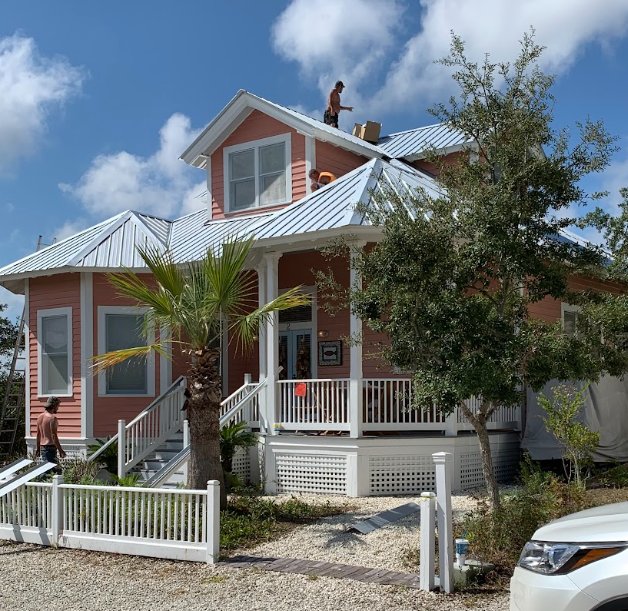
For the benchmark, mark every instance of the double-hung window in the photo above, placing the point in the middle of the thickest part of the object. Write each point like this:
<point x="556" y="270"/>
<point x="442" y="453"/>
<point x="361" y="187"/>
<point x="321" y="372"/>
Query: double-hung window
<point x="257" y="174"/>
<point x="120" y="328"/>
<point x="569" y="314"/>
<point x="54" y="347"/>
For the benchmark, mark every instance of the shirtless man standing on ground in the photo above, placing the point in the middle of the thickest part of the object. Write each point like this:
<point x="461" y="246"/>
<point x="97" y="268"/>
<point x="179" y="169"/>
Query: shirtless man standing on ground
<point x="333" y="105"/>
<point x="47" y="440"/>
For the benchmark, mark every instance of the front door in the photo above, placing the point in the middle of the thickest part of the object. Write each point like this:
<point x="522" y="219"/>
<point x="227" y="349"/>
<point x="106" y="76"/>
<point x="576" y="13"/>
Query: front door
<point x="295" y="354"/>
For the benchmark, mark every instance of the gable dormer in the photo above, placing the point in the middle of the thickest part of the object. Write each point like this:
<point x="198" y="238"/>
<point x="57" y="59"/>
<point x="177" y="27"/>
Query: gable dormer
<point x="258" y="155"/>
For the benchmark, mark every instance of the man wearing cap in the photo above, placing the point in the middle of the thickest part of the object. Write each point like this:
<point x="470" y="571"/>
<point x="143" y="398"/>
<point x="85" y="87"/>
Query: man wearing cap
<point x="333" y="105"/>
<point x="47" y="440"/>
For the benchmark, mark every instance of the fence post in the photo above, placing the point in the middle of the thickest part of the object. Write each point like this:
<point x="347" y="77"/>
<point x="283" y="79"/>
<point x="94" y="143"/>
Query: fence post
<point x="212" y="515"/>
<point x="57" y="509"/>
<point x="121" y="447"/>
<point x="186" y="434"/>
<point x="427" y="544"/>
<point x="451" y="424"/>
<point x="443" y="462"/>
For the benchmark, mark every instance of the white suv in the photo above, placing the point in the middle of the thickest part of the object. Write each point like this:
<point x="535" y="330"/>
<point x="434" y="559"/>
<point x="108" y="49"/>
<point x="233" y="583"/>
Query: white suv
<point x="577" y="563"/>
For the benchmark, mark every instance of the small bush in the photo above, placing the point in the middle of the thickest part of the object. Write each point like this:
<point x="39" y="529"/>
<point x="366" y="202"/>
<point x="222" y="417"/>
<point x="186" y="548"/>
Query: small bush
<point x="77" y="470"/>
<point x="615" y="477"/>
<point x="578" y="441"/>
<point x="498" y="536"/>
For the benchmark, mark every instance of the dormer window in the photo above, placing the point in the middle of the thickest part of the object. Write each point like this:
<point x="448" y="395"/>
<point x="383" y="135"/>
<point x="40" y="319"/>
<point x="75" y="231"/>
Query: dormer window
<point x="257" y="174"/>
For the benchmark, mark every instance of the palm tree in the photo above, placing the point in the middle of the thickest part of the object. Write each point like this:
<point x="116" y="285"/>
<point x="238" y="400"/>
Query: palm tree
<point x="193" y="302"/>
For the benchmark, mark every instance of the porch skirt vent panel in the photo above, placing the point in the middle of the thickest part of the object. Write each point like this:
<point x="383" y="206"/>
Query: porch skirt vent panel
<point x="390" y="475"/>
<point x="242" y="464"/>
<point x="311" y="473"/>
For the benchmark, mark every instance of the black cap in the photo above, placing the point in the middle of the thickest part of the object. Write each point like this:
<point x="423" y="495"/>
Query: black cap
<point x="339" y="84"/>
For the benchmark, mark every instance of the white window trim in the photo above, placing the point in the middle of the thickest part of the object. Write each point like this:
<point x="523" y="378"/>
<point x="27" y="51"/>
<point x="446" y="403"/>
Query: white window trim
<point x="102" y="348"/>
<point x="567" y="307"/>
<point x="41" y="314"/>
<point x="256" y="144"/>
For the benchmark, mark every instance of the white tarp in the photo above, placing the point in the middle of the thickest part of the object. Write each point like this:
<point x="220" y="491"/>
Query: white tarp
<point x="605" y="410"/>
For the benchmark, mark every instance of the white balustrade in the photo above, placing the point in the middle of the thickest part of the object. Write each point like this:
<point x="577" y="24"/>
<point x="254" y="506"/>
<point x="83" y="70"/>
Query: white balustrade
<point x="313" y="404"/>
<point x="388" y="406"/>
<point x="163" y="523"/>
<point x="504" y="417"/>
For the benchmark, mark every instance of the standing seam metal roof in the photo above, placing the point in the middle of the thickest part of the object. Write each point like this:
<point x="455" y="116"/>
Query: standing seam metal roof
<point x="417" y="141"/>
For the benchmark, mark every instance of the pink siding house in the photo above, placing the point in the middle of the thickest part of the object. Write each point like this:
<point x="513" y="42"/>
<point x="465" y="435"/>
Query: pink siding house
<point x="256" y="156"/>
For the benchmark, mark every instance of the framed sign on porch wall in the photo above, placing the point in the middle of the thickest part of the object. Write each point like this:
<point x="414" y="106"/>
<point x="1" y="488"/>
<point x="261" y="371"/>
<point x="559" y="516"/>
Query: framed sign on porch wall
<point x="330" y="353"/>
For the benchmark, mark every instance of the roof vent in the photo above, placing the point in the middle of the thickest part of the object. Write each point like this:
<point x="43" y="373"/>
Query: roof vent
<point x="369" y="131"/>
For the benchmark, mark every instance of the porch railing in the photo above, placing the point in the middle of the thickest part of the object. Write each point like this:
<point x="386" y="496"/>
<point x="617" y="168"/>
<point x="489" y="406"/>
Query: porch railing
<point x="148" y="429"/>
<point x="314" y="404"/>
<point x="323" y="404"/>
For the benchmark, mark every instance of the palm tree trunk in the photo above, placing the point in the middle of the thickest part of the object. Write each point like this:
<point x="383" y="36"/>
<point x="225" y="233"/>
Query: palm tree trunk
<point x="204" y="419"/>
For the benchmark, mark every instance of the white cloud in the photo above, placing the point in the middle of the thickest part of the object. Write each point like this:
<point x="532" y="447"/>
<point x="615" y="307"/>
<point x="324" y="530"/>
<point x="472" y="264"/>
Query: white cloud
<point x="9" y="207"/>
<point x="333" y="40"/>
<point x="159" y="184"/>
<point x="31" y="87"/>
<point x="354" y="35"/>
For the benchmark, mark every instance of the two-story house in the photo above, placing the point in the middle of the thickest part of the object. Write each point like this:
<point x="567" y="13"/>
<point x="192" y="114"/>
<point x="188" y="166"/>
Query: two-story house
<point x="256" y="155"/>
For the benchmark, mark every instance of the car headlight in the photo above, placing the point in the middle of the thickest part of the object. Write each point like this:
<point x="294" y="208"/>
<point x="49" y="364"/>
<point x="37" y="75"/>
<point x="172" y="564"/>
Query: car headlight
<point x="561" y="558"/>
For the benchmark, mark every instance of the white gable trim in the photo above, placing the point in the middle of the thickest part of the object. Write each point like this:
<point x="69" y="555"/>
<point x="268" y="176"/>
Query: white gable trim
<point x="241" y="106"/>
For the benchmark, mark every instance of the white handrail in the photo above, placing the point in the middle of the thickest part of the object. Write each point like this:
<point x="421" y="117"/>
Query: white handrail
<point x="182" y="457"/>
<point x="180" y="381"/>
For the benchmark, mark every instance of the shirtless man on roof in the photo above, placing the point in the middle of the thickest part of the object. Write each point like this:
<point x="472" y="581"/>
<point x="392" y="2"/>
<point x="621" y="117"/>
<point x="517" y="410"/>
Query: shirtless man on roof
<point x="333" y="105"/>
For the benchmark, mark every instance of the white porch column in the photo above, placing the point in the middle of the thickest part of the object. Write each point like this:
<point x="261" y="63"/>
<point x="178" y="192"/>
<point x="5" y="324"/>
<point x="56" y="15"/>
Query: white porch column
<point x="261" y="334"/>
<point x="272" y="339"/>
<point x="356" y="394"/>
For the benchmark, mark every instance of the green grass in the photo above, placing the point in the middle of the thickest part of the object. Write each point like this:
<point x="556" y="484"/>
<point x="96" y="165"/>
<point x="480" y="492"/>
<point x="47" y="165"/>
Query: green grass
<point x="250" y="520"/>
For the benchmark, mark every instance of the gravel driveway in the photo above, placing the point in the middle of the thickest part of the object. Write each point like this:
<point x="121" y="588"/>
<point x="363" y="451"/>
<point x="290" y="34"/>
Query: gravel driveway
<point x="40" y="577"/>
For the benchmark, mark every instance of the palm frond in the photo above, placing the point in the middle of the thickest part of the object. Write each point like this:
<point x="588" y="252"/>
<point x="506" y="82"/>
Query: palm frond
<point x="115" y="357"/>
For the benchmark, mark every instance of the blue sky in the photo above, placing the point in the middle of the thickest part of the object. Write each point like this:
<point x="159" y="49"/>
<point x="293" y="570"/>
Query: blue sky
<point x="97" y="101"/>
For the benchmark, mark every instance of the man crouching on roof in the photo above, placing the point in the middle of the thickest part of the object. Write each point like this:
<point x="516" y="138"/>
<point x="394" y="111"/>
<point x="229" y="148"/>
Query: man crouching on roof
<point x="47" y="440"/>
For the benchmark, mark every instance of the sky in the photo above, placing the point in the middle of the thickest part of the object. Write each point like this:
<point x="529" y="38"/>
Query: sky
<point x="98" y="100"/>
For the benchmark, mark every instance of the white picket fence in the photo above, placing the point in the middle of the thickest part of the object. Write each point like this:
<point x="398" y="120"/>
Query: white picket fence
<point x="160" y="523"/>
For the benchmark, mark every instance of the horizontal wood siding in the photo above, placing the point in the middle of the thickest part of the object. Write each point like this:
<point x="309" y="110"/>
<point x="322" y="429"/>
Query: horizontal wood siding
<point x="549" y="309"/>
<point x="108" y="410"/>
<point x="451" y="159"/>
<point x="255" y="127"/>
<point x="338" y="161"/>
<point x="60" y="291"/>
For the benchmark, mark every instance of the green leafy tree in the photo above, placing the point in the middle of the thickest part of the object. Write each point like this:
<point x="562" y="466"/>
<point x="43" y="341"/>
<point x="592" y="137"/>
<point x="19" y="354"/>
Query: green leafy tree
<point x="578" y="441"/>
<point x="453" y="278"/>
<point x="193" y="302"/>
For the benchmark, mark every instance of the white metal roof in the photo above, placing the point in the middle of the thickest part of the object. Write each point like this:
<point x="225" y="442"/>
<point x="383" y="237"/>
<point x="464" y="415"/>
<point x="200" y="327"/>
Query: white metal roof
<point x="110" y="244"/>
<point x="334" y="206"/>
<point x="244" y="103"/>
<point x="414" y="143"/>
<point x="193" y="235"/>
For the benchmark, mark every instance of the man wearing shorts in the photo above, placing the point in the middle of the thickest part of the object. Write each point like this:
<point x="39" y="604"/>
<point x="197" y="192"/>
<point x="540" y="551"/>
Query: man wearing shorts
<point x="47" y="440"/>
<point x="333" y="105"/>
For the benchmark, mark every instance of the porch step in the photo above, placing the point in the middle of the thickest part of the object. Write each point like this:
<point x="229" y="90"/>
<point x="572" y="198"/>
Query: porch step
<point x="159" y="458"/>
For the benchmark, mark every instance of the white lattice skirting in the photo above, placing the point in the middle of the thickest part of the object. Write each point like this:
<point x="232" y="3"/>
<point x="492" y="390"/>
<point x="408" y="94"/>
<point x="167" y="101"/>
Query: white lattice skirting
<point x="379" y="466"/>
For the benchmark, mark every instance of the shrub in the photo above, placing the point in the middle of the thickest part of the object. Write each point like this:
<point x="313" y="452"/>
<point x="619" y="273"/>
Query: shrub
<point x="498" y="535"/>
<point x="578" y="441"/>
<point x="77" y="470"/>
<point x="109" y="458"/>
<point x="615" y="477"/>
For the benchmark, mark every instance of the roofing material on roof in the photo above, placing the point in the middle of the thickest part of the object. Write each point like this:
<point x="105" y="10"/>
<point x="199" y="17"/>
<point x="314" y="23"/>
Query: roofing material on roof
<point x="416" y="142"/>
<point x="335" y="206"/>
<point x="244" y="102"/>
